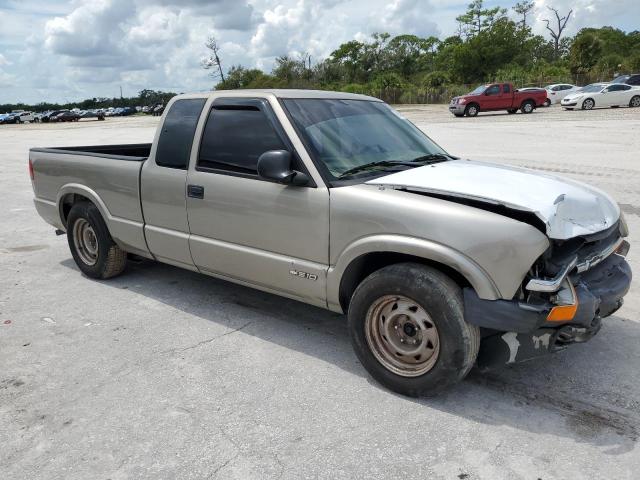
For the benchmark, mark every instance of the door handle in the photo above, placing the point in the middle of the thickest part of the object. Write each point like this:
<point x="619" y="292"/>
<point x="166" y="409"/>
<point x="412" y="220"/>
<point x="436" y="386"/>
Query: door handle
<point x="195" y="191"/>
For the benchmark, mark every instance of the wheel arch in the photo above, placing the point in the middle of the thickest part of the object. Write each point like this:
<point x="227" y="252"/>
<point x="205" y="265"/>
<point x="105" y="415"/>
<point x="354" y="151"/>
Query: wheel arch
<point x="71" y="194"/>
<point x="370" y="254"/>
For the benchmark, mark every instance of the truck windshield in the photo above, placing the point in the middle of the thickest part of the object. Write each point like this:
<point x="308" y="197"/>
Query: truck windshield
<point x="345" y="135"/>
<point x="592" y="88"/>
<point x="478" y="90"/>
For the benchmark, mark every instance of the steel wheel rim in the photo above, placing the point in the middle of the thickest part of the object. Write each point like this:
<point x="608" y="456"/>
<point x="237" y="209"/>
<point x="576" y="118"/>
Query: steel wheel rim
<point x="402" y="336"/>
<point x="85" y="241"/>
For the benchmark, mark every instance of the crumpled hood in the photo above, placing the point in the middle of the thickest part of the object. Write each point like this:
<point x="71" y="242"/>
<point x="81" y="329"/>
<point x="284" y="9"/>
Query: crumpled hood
<point x="568" y="208"/>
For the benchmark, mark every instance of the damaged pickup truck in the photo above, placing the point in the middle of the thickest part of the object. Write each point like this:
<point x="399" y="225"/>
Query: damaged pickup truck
<point x="335" y="200"/>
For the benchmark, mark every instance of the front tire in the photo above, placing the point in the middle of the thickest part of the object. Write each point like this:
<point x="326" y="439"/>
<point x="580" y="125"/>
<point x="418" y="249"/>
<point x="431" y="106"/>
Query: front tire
<point x="92" y="247"/>
<point x="588" y="104"/>
<point x="472" y="110"/>
<point x="547" y="103"/>
<point x="407" y="327"/>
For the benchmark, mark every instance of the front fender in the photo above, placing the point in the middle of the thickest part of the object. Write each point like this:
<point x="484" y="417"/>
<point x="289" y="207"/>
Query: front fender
<point x="429" y="250"/>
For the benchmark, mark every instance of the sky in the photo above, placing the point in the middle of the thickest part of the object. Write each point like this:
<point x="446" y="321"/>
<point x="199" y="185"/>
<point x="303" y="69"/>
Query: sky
<point x="68" y="50"/>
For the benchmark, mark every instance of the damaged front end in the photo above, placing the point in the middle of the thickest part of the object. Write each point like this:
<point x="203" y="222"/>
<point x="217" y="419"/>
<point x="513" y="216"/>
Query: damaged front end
<point x="562" y="301"/>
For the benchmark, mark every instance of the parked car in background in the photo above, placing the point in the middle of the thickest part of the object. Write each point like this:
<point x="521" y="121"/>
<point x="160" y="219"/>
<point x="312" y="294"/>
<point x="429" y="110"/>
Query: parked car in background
<point x="557" y="91"/>
<point x="66" y="116"/>
<point x="158" y="109"/>
<point x="48" y="116"/>
<point x="497" y="96"/>
<point x="5" y="118"/>
<point x="24" y="117"/>
<point x="633" y="79"/>
<point x="603" y="95"/>
<point x="91" y="114"/>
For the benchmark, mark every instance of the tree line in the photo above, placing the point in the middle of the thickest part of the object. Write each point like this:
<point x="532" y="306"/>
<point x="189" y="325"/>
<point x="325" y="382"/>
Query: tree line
<point x="487" y="46"/>
<point x="145" y="97"/>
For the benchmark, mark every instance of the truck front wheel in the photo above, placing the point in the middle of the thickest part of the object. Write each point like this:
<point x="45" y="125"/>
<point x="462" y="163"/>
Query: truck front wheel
<point x="472" y="110"/>
<point x="406" y="323"/>
<point x="92" y="247"/>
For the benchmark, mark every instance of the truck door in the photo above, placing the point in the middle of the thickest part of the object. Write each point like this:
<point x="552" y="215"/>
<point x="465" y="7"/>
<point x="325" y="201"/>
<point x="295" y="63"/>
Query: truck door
<point x="269" y="235"/>
<point x="493" y="98"/>
<point x="163" y="182"/>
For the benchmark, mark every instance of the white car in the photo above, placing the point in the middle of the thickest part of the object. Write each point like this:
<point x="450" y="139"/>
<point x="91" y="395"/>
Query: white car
<point x="24" y="117"/>
<point x="603" y="95"/>
<point x="557" y="91"/>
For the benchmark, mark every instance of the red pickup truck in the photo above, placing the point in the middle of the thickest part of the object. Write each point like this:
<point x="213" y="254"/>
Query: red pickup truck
<point x="497" y="96"/>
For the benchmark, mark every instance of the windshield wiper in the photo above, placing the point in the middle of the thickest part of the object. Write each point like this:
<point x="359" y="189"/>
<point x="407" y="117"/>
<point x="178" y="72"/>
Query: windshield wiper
<point x="434" y="158"/>
<point x="427" y="159"/>
<point x="374" y="165"/>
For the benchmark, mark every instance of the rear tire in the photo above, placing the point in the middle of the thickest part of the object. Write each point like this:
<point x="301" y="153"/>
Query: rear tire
<point x="527" y="106"/>
<point x="635" y="101"/>
<point x="92" y="247"/>
<point x="407" y="327"/>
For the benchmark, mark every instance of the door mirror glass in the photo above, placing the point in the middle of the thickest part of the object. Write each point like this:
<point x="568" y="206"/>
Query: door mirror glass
<point x="275" y="165"/>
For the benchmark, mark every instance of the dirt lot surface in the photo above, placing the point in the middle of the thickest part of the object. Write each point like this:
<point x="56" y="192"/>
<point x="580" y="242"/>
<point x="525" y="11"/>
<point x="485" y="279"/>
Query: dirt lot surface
<point x="165" y="374"/>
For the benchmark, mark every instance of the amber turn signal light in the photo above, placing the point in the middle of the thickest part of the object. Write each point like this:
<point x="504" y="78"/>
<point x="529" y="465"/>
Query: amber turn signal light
<point x="562" y="313"/>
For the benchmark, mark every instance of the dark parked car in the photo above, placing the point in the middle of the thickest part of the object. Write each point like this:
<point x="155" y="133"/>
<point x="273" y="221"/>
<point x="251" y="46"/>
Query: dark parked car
<point x="66" y="117"/>
<point x="49" y="115"/>
<point x="633" y="79"/>
<point x="91" y="114"/>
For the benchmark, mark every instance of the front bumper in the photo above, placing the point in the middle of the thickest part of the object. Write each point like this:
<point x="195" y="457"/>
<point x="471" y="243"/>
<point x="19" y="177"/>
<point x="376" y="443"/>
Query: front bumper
<point x="569" y="104"/>
<point x="517" y="331"/>
<point x="457" y="109"/>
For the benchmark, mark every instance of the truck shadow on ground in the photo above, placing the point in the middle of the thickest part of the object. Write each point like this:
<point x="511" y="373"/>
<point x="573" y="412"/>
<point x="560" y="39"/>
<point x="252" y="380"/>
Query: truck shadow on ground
<point x="587" y="393"/>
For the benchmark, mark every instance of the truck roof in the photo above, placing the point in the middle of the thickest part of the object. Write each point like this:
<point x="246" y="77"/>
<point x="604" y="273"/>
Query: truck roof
<point x="283" y="93"/>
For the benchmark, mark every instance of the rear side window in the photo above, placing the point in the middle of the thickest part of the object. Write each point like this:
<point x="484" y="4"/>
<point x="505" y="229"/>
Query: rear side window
<point x="176" y="138"/>
<point x="634" y="80"/>
<point x="506" y="88"/>
<point x="235" y="137"/>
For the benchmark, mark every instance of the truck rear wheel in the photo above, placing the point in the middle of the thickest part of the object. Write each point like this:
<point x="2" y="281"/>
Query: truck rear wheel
<point x="527" y="106"/>
<point x="92" y="247"/>
<point x="406" y="323"/>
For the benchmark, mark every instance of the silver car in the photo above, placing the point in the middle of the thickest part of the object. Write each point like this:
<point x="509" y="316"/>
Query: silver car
<point x="336" y="200"/>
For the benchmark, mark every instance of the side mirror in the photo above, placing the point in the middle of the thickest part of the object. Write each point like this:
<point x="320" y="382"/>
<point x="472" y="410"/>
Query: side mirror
<point x="275" y="165"/>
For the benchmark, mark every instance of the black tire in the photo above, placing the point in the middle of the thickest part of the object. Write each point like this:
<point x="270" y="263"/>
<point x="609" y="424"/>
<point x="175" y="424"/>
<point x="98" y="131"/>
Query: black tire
<point x="511" y="111"/>
<point x="635" y="101"/>
<point x="110" y="260"/>
<point x="441" y="298"/>
<point x="527" y="106"/>
<point x="472" y="110"/>
<point x="588" y="104"/>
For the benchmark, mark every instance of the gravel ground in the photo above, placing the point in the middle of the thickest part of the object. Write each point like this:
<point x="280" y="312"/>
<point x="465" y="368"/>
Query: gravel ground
<point x="164" y="373"/>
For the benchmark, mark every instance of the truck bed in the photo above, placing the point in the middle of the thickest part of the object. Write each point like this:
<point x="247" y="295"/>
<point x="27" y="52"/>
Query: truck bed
<point x="107" y="175"/>
<point x="136" y="152"/>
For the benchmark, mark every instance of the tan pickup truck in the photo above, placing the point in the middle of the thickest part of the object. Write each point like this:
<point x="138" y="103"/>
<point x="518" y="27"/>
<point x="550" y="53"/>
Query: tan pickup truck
<point x="335" y="200"/>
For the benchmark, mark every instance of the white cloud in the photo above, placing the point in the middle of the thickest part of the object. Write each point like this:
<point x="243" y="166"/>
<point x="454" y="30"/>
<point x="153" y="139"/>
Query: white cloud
<point x="86" y="48"/>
